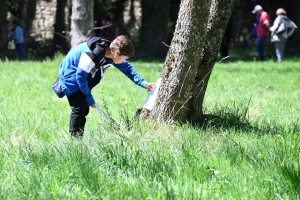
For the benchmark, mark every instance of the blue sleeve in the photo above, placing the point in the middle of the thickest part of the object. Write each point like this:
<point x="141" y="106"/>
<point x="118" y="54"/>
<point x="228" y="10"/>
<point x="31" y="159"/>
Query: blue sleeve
<point x="131" y="73"/>
<point x="18" y="35"/>
<point x="84" y="67"/>
<point x="81" y="77"/>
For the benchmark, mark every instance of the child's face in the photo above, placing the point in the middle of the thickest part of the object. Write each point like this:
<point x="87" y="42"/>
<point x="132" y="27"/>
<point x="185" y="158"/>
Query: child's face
<point x="117" y="58"/>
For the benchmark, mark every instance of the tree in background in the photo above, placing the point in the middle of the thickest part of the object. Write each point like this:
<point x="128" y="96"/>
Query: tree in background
<point x="199" y="30"/>
<point x="3" y="22"/>
<point x="104" y="9"/>
<point x="116" y="8"/>
<point x="157" y="24"/>
<point x="154" y="30"/>
<point x="81" y="20"/>
<point x="60" y="37"/>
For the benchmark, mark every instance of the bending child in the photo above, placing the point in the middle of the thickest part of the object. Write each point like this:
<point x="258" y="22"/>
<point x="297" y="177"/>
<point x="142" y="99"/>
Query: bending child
<point x="83" y="68"/>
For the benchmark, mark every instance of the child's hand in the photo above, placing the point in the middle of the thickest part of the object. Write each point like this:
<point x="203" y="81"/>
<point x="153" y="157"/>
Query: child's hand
<point x="93" y="106"/>
<point x="150" y="86"/>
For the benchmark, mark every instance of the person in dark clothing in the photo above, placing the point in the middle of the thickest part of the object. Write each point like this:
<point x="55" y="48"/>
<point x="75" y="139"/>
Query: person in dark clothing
<point x="16" y="35"/>
<point x="107" y="30"/>
<point x="83" y="68"/>
<point x="226" y="39"/>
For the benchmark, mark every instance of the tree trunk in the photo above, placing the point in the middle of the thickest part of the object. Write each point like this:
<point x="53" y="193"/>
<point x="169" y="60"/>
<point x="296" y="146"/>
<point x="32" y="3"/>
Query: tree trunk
<point x="3" y="21"/>
<point x="133" y="21"/>
<point x="118" y="17"/>
<point x="154" y="31"/>
<point x="24" y="14"/>
<point x="191" y="57"/>
<point x="60" y="39"/>
<point x="81" y="20"/>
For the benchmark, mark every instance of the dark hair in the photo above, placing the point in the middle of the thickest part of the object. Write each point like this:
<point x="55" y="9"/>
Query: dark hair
<point x="124" y="45"/>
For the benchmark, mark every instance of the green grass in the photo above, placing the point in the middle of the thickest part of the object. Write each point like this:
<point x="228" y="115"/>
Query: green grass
<point x="248" y="149"/>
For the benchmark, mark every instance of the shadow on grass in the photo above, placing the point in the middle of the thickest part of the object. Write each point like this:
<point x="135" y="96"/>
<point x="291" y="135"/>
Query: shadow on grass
<point x="238" y="124"/>
<point x="292" y="174"/>
<point x="236" y="118"/>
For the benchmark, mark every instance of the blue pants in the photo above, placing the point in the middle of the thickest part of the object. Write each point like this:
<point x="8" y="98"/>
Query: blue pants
<point x="260" y="42"/>
<point x="20" y="49"/>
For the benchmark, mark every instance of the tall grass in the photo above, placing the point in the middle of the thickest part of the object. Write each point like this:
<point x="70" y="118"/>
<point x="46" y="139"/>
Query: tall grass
<point x="247" y="149"/>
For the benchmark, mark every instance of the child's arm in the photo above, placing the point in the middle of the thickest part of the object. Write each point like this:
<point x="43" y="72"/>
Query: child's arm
<point x="132" y="74"/>
<point x="150" y="86"/>
<point x="84" y="67"/>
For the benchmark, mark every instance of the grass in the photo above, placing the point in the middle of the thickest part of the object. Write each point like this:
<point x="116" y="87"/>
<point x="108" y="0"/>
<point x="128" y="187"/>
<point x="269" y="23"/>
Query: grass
<point x="248" y="149"/>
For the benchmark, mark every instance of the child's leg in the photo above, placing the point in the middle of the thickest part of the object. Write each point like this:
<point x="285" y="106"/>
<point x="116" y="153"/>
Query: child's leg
<point x="80" y="110"/>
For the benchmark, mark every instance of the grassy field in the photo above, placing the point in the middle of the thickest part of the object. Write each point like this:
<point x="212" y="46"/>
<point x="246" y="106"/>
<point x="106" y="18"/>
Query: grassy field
<point x="249" y="148"/>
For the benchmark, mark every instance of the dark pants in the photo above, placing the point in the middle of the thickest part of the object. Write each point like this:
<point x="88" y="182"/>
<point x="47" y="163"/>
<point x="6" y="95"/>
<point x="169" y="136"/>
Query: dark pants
<point x="80" y="110"/>
<point x="260" y="42"/>
<point x="224" y="47"/>
<point x="20" y="49"/>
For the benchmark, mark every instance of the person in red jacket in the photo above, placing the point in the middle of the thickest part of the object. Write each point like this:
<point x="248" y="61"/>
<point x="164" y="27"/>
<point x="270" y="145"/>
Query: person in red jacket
<point x="262" y="30"/>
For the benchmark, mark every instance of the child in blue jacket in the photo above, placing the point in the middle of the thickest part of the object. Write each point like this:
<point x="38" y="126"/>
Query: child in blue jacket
<point x="83" y="68"/>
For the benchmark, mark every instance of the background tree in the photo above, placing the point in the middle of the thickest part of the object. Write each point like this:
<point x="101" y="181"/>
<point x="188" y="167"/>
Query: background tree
<point x="60" y="37"/>
<point x="81" y="20"/>
<point x="113" y="10"/>
<point x="131" y="21"/>
<point x="190" y="60"/>
<point x="116" y="9"/>
<point x="154" y="31"/>
<point x="3" y="22"/>
<point x="156" y="26"/>
<point x="173" y="15"/>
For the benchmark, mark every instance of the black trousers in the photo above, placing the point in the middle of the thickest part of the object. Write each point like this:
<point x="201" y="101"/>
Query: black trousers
<point x="80" y="110"/>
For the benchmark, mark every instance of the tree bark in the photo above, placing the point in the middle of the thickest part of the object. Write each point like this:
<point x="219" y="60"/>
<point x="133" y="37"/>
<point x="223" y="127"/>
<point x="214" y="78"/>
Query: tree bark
<point x="191" y="57"/>
<point x="81" y="20"/>
<point x="220" y="12"/>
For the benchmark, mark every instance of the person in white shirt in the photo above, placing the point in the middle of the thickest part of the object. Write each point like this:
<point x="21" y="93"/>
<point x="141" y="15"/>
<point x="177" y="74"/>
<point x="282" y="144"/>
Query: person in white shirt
<point x="281" y="30"/>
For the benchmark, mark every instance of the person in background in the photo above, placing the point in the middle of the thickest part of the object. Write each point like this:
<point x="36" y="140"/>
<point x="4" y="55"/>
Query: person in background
<point x="262" y="30"/>
<point x="281" y="30"/>
<point x="224" y="48"/>
<point x="83" y="68"/>
<point x="98" y="25"/>
<point x="254" y="32"/>
<point x="108" y="30"/>
<point x="16" y="35"/>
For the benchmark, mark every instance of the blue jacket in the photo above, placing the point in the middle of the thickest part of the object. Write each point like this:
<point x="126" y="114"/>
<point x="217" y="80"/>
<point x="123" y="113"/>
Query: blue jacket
<point x="85" y="65"/>
<point x="17" y="35"/>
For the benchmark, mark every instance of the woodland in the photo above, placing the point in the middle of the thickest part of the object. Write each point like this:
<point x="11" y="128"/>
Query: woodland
<point x="150" y="26"/>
